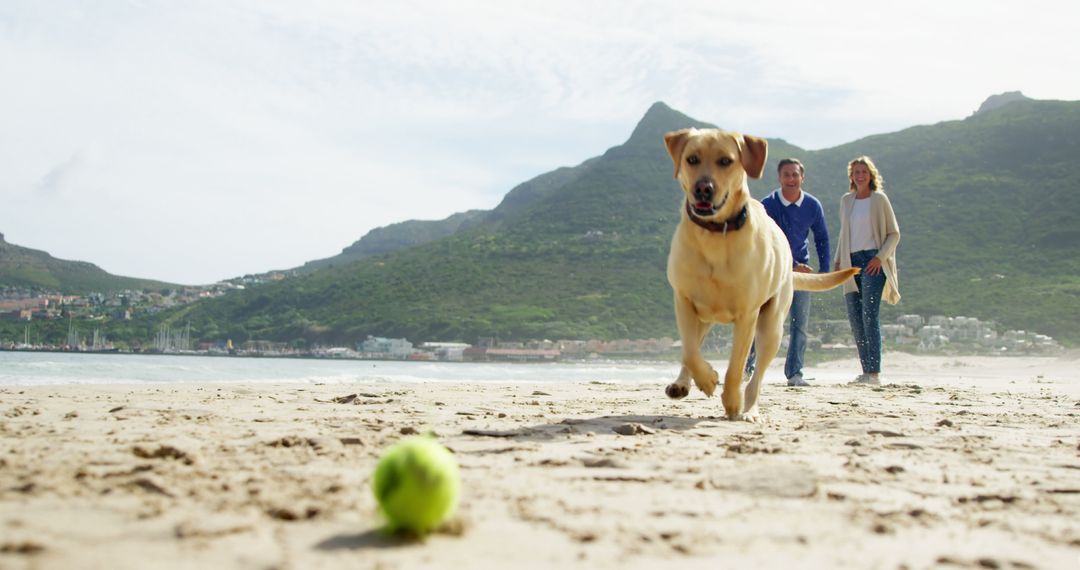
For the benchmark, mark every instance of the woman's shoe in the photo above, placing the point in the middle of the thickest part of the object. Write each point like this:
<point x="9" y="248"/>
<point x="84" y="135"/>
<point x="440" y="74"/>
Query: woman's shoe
<point x="869" y="379"/>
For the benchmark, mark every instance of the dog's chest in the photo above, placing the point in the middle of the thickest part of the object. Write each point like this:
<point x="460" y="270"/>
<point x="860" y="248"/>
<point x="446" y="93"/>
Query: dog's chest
<point x="715" y="316"/>
<point x="715" y="308"/>
<point x="720" y="291"/>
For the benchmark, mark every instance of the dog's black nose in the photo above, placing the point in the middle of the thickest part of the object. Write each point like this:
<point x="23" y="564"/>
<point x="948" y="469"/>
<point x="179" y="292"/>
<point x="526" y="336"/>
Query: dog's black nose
<point x="703" y="190"/>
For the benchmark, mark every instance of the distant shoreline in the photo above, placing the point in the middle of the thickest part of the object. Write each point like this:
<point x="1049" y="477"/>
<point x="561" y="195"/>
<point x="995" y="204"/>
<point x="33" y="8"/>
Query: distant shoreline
<point x="814" y="356"/>
<point x="628" y="359"/>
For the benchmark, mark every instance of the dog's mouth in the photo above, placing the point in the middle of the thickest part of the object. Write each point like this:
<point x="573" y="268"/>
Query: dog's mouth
<point x="703" y="209"/>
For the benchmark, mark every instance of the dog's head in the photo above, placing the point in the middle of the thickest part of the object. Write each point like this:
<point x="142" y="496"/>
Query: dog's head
<point x="711" y="165"/>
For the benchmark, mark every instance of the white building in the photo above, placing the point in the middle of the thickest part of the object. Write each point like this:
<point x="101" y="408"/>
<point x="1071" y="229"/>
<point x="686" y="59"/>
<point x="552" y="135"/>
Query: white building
<point x="394" y="347"/>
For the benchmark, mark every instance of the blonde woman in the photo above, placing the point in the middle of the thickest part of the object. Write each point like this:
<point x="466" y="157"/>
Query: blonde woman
<point x="868" y="238"/>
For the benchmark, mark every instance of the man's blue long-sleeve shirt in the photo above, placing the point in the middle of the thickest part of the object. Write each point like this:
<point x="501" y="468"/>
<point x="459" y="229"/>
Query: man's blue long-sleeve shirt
<point x="797" y="220"/>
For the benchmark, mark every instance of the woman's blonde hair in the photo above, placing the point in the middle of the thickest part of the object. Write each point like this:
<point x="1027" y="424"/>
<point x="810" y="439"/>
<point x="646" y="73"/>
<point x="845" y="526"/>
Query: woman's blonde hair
<point x="876" y="181"/>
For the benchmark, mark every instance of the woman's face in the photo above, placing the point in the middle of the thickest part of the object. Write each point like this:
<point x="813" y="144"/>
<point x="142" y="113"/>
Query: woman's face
<point x="860" y="176"/>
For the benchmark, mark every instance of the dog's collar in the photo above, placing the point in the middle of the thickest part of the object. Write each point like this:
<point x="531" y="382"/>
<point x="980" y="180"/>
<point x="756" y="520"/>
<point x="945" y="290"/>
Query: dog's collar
<point x="731" y="224"/>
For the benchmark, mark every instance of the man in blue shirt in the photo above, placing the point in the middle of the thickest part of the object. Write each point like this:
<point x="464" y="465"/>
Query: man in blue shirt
<point x="797" y="213"/>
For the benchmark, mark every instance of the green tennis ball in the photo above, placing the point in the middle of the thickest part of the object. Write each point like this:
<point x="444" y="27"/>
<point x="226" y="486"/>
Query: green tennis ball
<point x="416" y="484"/>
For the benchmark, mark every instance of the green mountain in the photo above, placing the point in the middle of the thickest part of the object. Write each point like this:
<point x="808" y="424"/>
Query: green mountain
<point x="34" y="269"/>
<point x="984" y="208"/>
<point x="580" y="252"/>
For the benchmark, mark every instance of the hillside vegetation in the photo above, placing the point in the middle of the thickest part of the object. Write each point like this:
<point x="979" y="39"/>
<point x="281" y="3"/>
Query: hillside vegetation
<point x="984" y="203"/>
<point x="580" y="252"/>
<point x="22" y="267"/>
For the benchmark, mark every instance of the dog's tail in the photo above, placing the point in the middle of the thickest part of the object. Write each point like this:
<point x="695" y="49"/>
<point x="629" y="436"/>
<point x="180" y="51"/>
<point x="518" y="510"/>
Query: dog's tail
<point x="822" y="281"/>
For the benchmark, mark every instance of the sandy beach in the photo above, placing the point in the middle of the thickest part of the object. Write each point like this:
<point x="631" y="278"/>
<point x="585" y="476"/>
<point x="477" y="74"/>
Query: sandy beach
<point x="958" y="462"/>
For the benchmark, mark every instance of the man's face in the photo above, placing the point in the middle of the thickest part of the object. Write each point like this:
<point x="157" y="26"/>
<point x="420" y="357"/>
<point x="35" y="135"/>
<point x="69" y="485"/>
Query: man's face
<point x="791" y="178"/>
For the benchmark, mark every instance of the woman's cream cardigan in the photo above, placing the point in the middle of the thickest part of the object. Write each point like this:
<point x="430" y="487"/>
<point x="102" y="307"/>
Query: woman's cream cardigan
<point x="886" y="233"/>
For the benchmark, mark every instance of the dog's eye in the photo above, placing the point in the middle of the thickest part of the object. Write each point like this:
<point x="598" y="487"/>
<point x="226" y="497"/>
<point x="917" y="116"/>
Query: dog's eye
<point x="693" y="160"/>
<point x="725" y="161"/>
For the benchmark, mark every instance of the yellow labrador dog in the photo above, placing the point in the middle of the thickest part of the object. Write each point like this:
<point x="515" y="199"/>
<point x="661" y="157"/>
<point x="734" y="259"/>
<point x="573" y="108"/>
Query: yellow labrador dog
<point x="729" y="263"/>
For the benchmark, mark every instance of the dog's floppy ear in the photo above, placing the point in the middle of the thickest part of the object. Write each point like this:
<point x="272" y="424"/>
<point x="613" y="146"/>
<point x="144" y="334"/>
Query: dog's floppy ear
<point x="754" y="152"/>
<point x="676" y="141"/>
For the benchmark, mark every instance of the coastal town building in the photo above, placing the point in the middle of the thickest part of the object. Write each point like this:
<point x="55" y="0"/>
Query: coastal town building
<point x="377" y="346"/>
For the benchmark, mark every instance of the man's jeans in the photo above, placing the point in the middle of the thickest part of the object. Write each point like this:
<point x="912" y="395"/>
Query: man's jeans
<point x="863" y="307"/>
<point x="797" y="318"/>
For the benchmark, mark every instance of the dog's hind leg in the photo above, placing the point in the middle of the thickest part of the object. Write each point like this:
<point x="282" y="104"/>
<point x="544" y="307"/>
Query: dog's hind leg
<point x="770" y="329"/>
<point x="740" y="349"/>
<point x="691" y="331"/>
<point x="680" y="388"/>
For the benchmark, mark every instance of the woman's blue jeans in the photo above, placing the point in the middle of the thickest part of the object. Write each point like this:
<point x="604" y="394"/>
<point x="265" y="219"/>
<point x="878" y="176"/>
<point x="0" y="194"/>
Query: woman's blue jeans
<point x="863" y="307"/>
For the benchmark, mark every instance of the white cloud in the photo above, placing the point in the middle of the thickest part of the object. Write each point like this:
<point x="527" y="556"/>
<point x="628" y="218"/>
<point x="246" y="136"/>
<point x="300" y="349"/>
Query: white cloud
<point x="196" y="141"/>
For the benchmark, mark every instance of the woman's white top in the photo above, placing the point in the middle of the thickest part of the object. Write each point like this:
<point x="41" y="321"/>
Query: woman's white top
<point x="861" y="235"/>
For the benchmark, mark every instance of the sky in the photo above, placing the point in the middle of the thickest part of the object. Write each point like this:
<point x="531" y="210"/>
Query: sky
<point x="201" y="140"/>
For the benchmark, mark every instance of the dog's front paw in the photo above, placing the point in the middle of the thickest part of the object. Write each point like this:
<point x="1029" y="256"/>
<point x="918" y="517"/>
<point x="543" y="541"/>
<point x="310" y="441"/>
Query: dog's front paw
<point x="708" y="383"/>
<point x="732" y="404"/>
<point x="677" y="391"/>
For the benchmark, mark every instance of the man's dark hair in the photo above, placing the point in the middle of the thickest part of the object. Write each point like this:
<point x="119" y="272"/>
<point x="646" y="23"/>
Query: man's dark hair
<point x="795" y="161"/>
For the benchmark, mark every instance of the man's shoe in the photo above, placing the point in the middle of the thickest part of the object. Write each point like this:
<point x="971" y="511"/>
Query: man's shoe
<point x="797" y="380"/>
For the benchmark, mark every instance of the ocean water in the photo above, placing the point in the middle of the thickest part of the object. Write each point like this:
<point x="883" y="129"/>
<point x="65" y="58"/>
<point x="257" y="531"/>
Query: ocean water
<point x="41" y="368"/>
